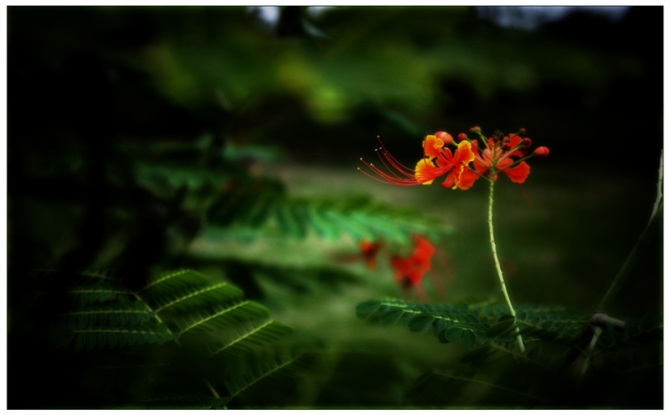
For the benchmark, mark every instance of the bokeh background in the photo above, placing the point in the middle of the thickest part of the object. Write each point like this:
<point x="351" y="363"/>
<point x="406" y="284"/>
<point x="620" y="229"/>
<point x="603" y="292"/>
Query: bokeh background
<point x="124" y="121"/>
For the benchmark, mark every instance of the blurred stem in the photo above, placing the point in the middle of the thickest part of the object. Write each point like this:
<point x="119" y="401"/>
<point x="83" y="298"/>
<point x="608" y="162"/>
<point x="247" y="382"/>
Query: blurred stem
<point x="597" y="331"/>
<point x="640" y="245"/>
<point x="499" y="269"/>
<point x="211" y="389"/>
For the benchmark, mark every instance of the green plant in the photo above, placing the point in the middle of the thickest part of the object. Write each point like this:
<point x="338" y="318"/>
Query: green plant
<point x="594" y="354"/>
<point x="149" y="139"/>
<point x="203" y="342"/>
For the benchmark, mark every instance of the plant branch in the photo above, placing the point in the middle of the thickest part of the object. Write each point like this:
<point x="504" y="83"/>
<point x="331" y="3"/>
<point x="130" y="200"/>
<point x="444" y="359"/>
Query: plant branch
<point x="501" y="278"/>
<point x="598" y="320"/>
<point x="597" y="331"/>
<point x="639" y="247"/>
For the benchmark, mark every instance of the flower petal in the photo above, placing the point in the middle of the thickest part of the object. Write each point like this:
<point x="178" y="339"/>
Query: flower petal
<point x="426" y="171"/>
<point x="464" y="153"/>
<point x="519" y="173"/>
<point x="467" y="179"/>
<point x="424" y="248"/>
<point x="410" y="270"/>
<point x="448" y="182"/>
<point x="432" y="146"/>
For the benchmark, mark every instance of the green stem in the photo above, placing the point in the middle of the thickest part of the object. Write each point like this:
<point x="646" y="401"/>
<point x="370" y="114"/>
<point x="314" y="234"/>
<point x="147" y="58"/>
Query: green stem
<point x="596" y="335"/>
<point x="499" y="269"/>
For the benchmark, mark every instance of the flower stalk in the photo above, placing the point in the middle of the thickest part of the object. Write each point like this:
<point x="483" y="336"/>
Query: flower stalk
<point x="498" y="154"/>
<point x="501" y="278"/>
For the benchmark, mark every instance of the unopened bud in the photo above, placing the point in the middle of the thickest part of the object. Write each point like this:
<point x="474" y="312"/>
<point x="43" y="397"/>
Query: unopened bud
<point x="527" y="142"/>
<point x="462" y="136"/>
<point x="541" y="151"/>
<point x="475" y="129"/>
<point x="444" y="136"/>
<point x="522" y="131"/>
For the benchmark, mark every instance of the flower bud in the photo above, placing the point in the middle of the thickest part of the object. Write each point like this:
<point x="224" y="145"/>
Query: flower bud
<point x="475" y="129"/>
<point x="541" y="151"/>
<point x="444" y="136"/>
<point x="527" y="142"/>
<point x="462" y="136"/>
<point x="522" y="131"/>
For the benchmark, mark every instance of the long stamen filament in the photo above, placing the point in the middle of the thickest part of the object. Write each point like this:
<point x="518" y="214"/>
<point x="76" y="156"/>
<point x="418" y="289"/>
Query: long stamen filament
<point x="391" y="164"/>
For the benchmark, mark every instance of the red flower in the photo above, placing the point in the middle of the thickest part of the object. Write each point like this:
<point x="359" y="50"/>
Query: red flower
<point x="506" y="155"/>
<point x="438" y="160"/>
<point x="369" y="252"/>
<point x="410" y="270"/>
<point x="499" y="157"/>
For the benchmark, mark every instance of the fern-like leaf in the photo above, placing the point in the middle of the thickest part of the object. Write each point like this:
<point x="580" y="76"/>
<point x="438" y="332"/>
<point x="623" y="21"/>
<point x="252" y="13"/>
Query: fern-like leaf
<point x="111" y="337"/>
<point x="258" y="369"/>
<point x="358" y="216"/>
<point x="187" y="317"/>
<point x="132" y="313"/>
<point x="477" y="323"/>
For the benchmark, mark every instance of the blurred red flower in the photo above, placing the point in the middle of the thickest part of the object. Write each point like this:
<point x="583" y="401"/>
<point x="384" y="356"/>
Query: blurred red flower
<point x="410" y="270"/>
<point x="369" y="252"/>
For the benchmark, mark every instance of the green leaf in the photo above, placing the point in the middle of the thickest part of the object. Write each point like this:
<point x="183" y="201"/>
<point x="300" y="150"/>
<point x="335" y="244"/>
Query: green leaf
<point x="453" y="334"/>
<point x="504" y="325"/>
<point x="250" y="371"/>
<point x="469" y="338"/>
<point x="440" y="326"/>
<point x="366" y="309"/>
<point x="189" y="320"/>
<point x="111" y="337"/>
<point x="421" y="323"/>
<point x="392" y="317"/>
<point x="110" y="315"/>
<point x="442" y="337"/>
<point x="358" y="216"/>
<point x="478" y="323"/>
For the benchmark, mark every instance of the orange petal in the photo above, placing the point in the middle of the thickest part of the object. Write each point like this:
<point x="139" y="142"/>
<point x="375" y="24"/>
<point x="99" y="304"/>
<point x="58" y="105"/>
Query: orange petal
<point x="503" y="163"/>
<point x="519" y="173"/>
<point x="424" y="248"/>
<point x="480" y="167"/>
<point x="448" y="182"/>
<point x="467" y="179"/>
<point x="464" y="153"/>
<point x="432" y="146"/>
<point x="426" y="171"/>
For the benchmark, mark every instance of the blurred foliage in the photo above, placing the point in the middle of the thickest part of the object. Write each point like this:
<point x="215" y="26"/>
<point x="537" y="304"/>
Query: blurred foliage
<point x="189" y="341"/>
<point x="554" y="362"/>
<point x="145" y="139"/>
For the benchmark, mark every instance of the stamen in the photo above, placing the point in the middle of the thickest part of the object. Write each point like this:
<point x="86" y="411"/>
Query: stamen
<point x="397" y="174"/>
